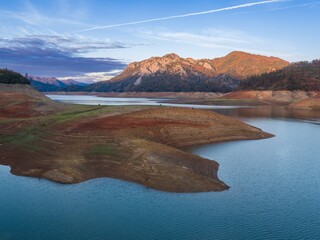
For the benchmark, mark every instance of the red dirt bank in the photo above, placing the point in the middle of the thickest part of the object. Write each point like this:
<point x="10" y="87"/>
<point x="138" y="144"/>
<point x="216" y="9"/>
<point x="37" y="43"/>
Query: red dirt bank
<point x="72" y="143"/>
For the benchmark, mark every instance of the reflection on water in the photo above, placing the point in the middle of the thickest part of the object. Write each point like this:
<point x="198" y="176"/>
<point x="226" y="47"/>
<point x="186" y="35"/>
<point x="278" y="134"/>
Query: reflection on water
<point x="233" y="111"/>
<point x="112" y="101"/>
<point x="270" y="112"/>
<point x="274" y="194"/>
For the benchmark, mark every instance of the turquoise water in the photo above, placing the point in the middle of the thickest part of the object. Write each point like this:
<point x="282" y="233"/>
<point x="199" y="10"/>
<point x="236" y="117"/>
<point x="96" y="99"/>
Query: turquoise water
<point x="274" y="194"/>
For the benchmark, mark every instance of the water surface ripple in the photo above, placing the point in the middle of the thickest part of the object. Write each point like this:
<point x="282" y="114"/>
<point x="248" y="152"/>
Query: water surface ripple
<point x="274" y="194"/>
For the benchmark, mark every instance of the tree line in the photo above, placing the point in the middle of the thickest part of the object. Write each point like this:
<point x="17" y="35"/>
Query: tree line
<point x="11" y="77"/>
<point x="297" y="76"/>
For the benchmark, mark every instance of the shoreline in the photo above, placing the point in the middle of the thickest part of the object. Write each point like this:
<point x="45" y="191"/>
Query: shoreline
<point x="299" y="100"/>
<point x="138" y="144"/>
<point x="207" y="169"/>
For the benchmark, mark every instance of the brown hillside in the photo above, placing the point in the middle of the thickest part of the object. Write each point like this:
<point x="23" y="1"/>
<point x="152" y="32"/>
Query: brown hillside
<point x="241" y="64"/>
<point x="236" y="64"/>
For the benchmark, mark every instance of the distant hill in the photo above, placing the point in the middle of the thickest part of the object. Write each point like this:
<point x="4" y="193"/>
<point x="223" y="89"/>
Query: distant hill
<point x="45" y="87"/>
<point x="51" y="84"/>
<point x="71" y="82"/>
<point x="172" y="73"/>
<point x="18" y="99"/>
<point x="297" y="76"/>
<point x="11" y="77"/>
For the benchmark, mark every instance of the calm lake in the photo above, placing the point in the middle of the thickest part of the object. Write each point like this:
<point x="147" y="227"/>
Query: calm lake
<point x="95" y="100"/>
<point x="274" y="193"/>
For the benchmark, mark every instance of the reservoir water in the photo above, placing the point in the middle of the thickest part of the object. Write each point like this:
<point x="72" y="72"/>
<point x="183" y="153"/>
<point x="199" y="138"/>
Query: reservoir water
<point x="274" y="194"/>
<point x="112" y="101"/>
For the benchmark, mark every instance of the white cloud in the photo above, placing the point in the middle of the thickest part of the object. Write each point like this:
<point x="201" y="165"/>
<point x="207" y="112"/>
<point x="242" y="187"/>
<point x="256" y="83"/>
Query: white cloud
<point x="93" y="76"/>
<point x="213" y="38"/>
<point x="33" y="16"/>
<point x="224" y="39"/>
<point x="75" y="44"/>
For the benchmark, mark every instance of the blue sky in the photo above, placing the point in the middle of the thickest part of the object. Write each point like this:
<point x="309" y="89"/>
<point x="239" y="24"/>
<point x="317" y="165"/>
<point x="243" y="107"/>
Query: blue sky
<point x="78" y="39"/>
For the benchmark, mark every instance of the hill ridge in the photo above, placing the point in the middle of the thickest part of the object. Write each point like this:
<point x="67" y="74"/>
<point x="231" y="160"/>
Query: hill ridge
<point x="176" y="74"/>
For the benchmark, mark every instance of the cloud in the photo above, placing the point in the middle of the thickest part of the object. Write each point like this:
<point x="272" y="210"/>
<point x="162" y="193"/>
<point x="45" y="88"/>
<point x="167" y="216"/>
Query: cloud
<point x="56" y="55"/>
<point x="224" y="39"/>
<point x="303" y="5"/>
<point x="246" y="5"/>
<point x="32" y="16"/>
<point x="67" y="43"/>
<point x="94" y="76"/>
<point x="36" y="18"/>
<point x="212" y="38"/>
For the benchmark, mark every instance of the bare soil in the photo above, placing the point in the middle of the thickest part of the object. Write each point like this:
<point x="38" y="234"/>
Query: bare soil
<point x="306" y="104"/>
<point x="73" y="143"/>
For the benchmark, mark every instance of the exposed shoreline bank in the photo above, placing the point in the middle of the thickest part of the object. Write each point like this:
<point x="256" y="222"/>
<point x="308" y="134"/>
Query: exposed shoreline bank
<point x="138" y="144"/>
<point x="292" y="99"/>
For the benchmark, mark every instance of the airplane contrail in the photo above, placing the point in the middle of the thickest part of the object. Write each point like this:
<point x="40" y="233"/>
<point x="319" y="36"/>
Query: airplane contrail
<point x="182" y="15"/>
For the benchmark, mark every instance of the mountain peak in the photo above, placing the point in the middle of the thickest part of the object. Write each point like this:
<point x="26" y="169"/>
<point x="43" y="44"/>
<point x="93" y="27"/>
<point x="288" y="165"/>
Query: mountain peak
<point x="237" y="64"/>
<point x="239" y="53"/>
<point x="171" y="73"/>
<point x="172" y="56"/>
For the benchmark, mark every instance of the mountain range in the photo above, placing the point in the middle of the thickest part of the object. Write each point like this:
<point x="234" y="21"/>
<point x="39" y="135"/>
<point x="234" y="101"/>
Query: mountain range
<point x="51" y="84"/>
<point x="172" y="73"/>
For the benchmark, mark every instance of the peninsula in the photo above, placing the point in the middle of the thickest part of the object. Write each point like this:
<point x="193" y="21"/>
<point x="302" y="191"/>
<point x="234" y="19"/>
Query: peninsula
<point x="69" y="143"/>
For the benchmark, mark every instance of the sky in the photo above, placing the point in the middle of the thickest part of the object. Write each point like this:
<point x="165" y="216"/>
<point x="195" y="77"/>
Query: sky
<point x="93" y="40"/>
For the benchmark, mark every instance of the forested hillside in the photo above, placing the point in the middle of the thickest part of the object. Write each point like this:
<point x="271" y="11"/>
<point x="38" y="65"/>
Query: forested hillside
<point x="10" y="77"/>
<point x="168" y="83"/>
<point x="297" y="76"/>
